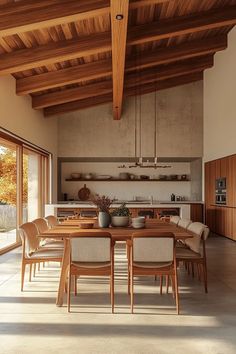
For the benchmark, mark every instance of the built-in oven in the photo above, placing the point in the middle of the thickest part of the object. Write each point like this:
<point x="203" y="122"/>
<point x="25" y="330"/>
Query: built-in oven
<point x="221" y="191"/>
<point x="221" y="183"/>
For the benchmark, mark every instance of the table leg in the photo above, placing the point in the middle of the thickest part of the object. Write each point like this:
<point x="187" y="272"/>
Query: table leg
<point x="64" y="272"/>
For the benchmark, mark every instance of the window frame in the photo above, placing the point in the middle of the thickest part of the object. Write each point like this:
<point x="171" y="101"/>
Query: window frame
<point x="45" y="161"/>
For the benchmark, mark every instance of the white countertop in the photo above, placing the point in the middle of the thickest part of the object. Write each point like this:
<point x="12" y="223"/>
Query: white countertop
<point x="136" y="204"/>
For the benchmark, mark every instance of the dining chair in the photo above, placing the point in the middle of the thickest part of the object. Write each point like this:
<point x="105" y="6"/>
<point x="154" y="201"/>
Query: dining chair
<point x="174" y="219"/>
<point x="52" y="221"/>
<point x="184" y="223"/>
<point x="152" y="253"/>
<point x="42" y="226"/>
<point x="32" y="252"/>
<point x="194" y="252"/>
<point x="91" y="254"/>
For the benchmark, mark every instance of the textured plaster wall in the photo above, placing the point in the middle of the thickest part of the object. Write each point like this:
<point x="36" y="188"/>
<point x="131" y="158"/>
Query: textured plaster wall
<point x="178" y="114"/>
<point x="220" y="103"/>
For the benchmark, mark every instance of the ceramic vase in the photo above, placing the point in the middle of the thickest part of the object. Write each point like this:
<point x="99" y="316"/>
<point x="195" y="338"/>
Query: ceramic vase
<point x="104" y="219"/>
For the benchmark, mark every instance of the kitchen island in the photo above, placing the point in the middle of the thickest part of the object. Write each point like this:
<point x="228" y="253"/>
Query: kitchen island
<point x="185" y="209"/>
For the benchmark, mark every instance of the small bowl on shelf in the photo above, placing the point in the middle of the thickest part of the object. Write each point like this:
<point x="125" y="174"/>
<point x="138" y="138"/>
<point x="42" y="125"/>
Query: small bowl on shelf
<point x="75" y="175"/>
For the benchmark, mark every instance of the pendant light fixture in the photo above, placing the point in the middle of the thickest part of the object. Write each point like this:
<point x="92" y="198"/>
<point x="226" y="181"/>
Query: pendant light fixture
<point x="139" y="159"/>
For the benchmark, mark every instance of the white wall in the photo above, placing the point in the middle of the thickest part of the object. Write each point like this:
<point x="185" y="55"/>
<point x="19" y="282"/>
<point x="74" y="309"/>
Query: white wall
<point x="17" y="116"/>
<point x="220" y="103"/>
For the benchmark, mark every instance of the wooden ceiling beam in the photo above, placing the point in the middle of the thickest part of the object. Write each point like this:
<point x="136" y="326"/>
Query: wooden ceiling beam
<point x="103" y="68"/>
<point x="182" y="25"/>
<point x="24" y="59"/>
<point x="58" y="78"/>
<point x="132" y="80"/>
<point x="118" y="38"/>
<point x="73" y="94"/>
<point x="30" y="15"/>
<point x="177" y="52"/>
<point x="167" y="71"/>
<point x="30" y="58"/>
<point x="94" y="101"/>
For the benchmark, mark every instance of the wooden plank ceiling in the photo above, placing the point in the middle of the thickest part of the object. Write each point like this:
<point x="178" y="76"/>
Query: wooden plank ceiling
<point x="70" y="55"/>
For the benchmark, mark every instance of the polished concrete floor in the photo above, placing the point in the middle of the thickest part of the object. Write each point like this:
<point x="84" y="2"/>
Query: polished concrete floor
<point x="31" y="323"/>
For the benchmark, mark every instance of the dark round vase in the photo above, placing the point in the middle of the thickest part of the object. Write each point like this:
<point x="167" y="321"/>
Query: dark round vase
<point x="104" y="219"/>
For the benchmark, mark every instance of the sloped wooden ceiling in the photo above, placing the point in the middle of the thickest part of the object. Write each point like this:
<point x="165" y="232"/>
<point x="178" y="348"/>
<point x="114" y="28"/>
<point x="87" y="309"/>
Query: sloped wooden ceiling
<point x="70" y="55"/>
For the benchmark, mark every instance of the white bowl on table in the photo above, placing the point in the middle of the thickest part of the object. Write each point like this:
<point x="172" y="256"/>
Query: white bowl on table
<point x="139" y="225"/>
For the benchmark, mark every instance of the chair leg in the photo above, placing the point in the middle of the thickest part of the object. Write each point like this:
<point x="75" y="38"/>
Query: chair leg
<point x="205" y="276"/>
<point x="161" y="283"/>
<point x="132" y="291"/>
<point x="128" y="280"/>
<point x="112" y="292"/>
<point x="192" y="265"/>
<point x="75" y="284"/>
<point x="34" y="273"/>
<point x="172" y="286"/>
<point x="176" y="292"/>
<point x="30" y="271"/>
<point x="68" y="292"/>
<point x="39" y="266"/>
<point x="167" y="284"/>
<point x="199" y="271"/>
<point x="22" y="274"/>
<point x="188" y="267"/>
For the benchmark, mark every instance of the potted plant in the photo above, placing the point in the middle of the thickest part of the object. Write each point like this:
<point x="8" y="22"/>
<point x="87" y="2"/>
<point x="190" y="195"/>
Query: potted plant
<point x="103" y="204"/>
<point x="120" y="216"/>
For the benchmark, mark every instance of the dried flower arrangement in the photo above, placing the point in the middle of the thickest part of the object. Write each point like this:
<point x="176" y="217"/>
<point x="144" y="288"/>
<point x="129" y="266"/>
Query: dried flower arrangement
<point x="102" y="202"/>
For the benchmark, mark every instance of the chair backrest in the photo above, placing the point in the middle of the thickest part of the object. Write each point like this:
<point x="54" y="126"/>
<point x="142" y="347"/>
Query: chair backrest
<point x="28" y="233"/>
<point x="174" y="219"/>
<point x="184" y="223"/>
<point x="206" y="232"/>
<point x="200" y="230"/>
<point x="41" y="224"/>
<point x="90" y="247"/>
<point x="52" y="220"/>
<point x="197" y="228"/>
<point x="153" y="246"/>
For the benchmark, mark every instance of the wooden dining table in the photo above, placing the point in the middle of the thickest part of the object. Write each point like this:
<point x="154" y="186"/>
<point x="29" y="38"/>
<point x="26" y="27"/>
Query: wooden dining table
<point x="65" y="232"/>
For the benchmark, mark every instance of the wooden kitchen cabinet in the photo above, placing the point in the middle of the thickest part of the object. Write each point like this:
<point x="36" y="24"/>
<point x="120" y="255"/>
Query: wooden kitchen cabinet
<point x="231" y="181"/>
<point x="196" y="212"/>
<point x="210" y="217"/>
<point x="221" y="219"/>
<point x="224" y="221"/>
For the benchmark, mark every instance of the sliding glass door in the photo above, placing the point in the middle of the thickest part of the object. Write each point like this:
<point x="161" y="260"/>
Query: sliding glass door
<point x="24" y="188"/>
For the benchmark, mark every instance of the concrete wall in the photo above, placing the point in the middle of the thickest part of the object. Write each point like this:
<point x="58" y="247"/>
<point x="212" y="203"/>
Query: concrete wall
<point x="17" y="116"/>
<point x="179" y="120"/>
<point x="220" y="103"/>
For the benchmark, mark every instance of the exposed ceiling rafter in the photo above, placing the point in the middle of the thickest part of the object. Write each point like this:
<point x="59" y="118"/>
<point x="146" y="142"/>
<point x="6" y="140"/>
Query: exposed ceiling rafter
<point x="147" y="88"/>
<point x="103" y="68"/>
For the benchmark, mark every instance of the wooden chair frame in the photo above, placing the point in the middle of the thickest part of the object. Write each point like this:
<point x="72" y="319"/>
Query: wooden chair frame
<point x="27" y="260"/>
<point x="75" y="270"/>
<point x="169" y="271"/>
<point x="200" y="262"/>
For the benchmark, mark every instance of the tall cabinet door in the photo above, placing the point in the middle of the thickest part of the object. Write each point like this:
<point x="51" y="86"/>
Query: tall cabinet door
<point x="231" y="181"/>
<point x="210" y="172"/>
